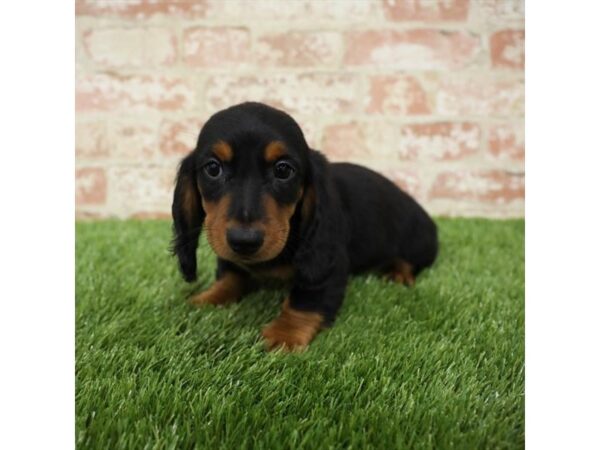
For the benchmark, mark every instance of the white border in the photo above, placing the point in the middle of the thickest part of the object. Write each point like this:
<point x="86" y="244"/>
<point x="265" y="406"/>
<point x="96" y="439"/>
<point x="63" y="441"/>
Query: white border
<point x="37" y="238"/>
<point x="562" y="225"/>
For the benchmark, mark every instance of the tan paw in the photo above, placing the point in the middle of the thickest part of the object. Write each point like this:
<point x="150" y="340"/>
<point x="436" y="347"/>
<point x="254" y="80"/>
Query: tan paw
<point x="209" y="297"/>
<point x="293" y="330"/>
<point x="227" y="289"/>
<point x="403" y="273"/>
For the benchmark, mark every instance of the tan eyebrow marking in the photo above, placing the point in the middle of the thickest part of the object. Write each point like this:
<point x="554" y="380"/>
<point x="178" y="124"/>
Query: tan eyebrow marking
<point x="223" y="151"/>
<point x="274" y="151"/>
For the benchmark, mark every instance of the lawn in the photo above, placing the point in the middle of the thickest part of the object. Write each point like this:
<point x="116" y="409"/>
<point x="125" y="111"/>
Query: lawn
<point x="437" y="366"/>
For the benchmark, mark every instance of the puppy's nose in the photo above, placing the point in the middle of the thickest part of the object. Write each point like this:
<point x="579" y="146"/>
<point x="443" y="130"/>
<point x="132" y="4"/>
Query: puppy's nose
<point x="245" y="241"/>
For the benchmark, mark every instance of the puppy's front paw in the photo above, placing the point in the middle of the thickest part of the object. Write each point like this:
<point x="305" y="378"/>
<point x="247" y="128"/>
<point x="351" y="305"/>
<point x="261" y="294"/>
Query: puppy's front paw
<point x="225" y="290"/>
<point x="292" y="330"/>
<point x="210" y="297"/>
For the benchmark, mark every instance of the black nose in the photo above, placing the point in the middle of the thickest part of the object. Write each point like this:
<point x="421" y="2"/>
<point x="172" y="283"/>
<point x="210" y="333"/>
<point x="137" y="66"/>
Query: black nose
<point x="245" y="241"/>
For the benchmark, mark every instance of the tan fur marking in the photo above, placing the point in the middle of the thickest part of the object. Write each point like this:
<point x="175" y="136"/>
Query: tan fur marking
<point x="215" y="225"/>
<point x="274" y="151"/>
<point x="188" y="202"/>
<point x="227" y="289"/>
<point x="277" y="227"/>
<point x="403" y="273"/>
<point x="293" y="330"/>
<point x="223" y="151"/>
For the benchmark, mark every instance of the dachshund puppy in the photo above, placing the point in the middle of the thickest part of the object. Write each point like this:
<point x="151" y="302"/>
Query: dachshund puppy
<point x="272" y="207"/>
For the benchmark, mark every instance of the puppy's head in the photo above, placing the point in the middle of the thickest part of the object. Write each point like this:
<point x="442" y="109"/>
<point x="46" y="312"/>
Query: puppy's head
<point x="243" y="182"/>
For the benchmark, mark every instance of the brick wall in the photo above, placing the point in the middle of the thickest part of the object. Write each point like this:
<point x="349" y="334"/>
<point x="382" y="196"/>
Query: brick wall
<point x="429" y="92"/>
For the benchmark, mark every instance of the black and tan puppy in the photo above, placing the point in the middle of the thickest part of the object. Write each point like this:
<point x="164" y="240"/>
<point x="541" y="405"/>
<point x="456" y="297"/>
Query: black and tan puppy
<point x="272" y="207"/>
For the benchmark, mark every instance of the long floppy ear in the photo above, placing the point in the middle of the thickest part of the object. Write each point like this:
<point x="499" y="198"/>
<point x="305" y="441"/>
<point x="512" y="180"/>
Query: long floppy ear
<point x="188" y="217"/>
<point x="321" y="224"/>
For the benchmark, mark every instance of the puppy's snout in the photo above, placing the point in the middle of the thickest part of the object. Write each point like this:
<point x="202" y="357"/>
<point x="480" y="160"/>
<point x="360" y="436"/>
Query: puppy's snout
<point x="245" y="241"/>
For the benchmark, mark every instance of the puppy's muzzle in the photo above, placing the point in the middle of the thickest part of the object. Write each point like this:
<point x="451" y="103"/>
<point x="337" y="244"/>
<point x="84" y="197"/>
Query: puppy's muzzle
<point x="244" y="240"/>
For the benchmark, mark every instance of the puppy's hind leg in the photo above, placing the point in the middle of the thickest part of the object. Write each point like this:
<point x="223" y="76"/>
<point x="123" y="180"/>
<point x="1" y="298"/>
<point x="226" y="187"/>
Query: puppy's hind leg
<point x="402" y="272"/>
<point x="418" y="250"/>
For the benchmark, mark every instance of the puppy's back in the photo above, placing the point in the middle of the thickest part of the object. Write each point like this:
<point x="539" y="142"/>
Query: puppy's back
<point x="385" y="222"/>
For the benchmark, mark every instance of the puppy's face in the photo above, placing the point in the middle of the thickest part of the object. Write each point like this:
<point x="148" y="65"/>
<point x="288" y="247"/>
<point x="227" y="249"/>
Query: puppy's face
<point x="250" y="180"/>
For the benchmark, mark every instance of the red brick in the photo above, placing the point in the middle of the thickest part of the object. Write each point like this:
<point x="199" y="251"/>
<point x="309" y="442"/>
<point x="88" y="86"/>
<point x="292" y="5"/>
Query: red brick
<point x="90" y="186"/>
<point x="146" y="215"/>
<point x="398" y="94"/>
<point x="479" y="96"/>
<point x="344" y="141"/>
<point x="91" y="139"/>
<point x="83" y="215"/>
<point x="134" y="140"/>
<point x="106" y="92"/>
<point x="357" y="141"/>
<point x="130" y="47"/>
<point x="494" y="13"/>
<point x="311" y="129"/>
<point x="141" y="9"/>
<point x="343" y="11"/>
<point x="215" y="46"/>
<point x="407" y="180"/>
<point x="260" y="10"/>
<point x="293" y="11"/>
<point x="507" y="142"/>
<point x="487" y="186"/>
<point x="141" y="189"/>
<point x="443" y="141"/>
<point x="299" y="48"/>
<point x="305" y="93"/>
<point x="257" y="10"/>
<point x="412" y="49"/>
<point x="178" y="137"/>
<point x="385" y="141"/>
<point x="426" y="10"/>
<point x="507" y="49"/>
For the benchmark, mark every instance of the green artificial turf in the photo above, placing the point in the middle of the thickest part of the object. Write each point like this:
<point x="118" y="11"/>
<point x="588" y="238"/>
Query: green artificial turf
<point x="437" y="366"/>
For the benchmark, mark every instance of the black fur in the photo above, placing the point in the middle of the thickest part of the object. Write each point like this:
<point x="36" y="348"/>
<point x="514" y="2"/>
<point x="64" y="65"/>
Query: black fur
<point x="187" y="232"/>
<point x="357" y="220"/>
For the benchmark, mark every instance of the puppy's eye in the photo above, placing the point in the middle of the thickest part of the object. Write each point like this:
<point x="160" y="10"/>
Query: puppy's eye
<point x="283" y="170"/>
<point x="213" y="169"/>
